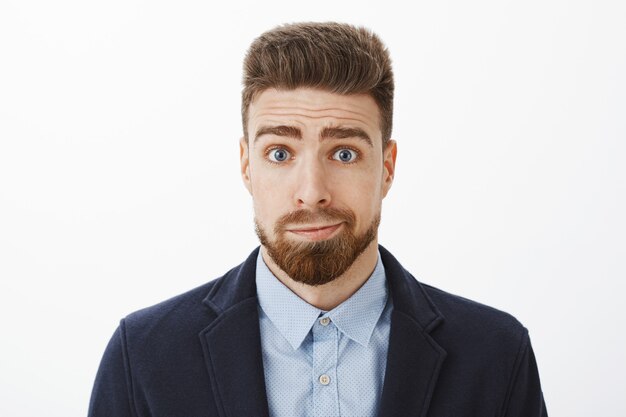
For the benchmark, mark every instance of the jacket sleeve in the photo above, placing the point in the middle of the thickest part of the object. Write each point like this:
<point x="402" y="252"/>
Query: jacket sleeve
<point x="112" y="391"/>
<point x="525" y="398"/>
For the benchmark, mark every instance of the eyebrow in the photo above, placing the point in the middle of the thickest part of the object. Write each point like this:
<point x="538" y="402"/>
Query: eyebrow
<point x="282" y="130"/>
<point x="331" y="132"/>
<point x="336" y="132"/>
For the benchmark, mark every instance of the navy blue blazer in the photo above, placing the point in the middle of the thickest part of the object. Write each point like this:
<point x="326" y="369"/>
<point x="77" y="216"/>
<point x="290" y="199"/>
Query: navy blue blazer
<point x="199" y="355"/>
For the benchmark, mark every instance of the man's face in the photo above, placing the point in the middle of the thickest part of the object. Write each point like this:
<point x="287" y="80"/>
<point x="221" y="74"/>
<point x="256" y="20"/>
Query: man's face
<point x="317" y="172"/>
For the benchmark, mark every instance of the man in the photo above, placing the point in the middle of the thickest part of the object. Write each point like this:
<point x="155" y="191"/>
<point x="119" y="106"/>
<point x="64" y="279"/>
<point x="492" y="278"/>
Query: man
<point x="321" y="320"/>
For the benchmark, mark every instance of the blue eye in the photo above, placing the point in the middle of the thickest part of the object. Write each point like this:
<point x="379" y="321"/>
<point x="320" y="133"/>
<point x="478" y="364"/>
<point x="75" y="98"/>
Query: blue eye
<point x="345" y="155"/>
<point x="279" y="155"/>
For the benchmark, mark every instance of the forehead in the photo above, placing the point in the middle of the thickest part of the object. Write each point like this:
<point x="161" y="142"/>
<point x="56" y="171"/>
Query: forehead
<point x="313" y="108"/>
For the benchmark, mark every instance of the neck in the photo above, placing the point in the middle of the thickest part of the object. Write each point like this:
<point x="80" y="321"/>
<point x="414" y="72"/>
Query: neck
<point x="328" y="296"/>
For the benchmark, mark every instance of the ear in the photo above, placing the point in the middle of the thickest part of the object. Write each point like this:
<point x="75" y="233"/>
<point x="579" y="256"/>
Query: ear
<point x="389" y="165"/>
<point x="244" y="159"/>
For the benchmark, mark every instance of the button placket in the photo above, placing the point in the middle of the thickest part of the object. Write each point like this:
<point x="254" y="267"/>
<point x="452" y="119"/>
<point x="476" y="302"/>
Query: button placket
<point x="325" y="342"/>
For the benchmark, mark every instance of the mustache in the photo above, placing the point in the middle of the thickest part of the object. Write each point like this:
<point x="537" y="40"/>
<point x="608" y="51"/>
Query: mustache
<point x="308" y="216"/>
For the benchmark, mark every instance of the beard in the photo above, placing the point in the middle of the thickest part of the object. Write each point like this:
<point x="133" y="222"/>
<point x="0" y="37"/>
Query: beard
<point x="317" y="262"/>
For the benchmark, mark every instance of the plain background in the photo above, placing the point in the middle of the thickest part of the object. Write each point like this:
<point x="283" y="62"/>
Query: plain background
<point x="120" y="187"/>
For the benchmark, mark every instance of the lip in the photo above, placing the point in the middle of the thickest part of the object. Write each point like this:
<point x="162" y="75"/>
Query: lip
<point x="316" y="232"/>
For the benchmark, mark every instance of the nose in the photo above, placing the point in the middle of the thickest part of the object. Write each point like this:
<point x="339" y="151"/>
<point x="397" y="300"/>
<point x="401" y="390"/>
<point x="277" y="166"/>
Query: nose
<point x="312" y="189"/>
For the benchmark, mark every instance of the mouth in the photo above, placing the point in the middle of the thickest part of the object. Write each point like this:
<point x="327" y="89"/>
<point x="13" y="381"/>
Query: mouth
<point x="316" y="232"/>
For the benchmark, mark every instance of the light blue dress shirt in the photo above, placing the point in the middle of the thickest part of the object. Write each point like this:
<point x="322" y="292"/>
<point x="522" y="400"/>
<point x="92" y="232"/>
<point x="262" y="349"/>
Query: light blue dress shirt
<point x="323" y="364"/>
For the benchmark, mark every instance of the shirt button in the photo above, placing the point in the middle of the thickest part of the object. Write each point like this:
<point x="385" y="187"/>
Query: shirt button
<point x="324" y="379"/>
<point x="324" y="322"/>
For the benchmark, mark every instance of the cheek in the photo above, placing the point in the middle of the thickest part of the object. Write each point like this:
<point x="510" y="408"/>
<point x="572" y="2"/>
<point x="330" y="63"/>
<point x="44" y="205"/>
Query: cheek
<point x="269" y="197"/>
<point x="361" y="192"/>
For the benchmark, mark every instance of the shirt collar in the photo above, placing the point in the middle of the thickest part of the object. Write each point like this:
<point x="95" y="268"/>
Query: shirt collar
<point x="293" y="317"/>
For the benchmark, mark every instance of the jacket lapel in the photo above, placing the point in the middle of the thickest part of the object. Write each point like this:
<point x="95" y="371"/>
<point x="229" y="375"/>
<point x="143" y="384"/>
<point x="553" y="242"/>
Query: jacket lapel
<point x="232" y="344"/>
<point x="414" y="359"/>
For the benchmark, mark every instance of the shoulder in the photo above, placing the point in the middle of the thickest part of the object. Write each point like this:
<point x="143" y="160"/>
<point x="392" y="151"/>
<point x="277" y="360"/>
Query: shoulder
<point x="168" y="328"/>
<point x="468" y="325"/>
<point x="183" y="317"/>
<point x="194" y="307"/>
<point x="445" y="314"/>
<point x="173" y="310"/>
<point x="164" y="338"/>
<point x="489" y="358"/>
<point x="469" y="312"/>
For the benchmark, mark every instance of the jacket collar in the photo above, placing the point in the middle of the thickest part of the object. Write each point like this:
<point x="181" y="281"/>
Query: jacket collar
<point x="233" y="356"/>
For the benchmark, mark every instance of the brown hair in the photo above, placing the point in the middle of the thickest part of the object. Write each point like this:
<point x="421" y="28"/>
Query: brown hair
<point x="336" y="57"/>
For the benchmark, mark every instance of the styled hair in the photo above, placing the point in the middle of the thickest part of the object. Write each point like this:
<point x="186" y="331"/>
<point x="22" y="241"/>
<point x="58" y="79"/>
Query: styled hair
<point x="336" y="57"/>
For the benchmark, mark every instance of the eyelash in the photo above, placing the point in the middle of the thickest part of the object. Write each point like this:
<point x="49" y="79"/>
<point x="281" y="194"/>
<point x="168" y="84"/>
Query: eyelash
<point x="357" y="156"/>
<point x="273" y="148"/>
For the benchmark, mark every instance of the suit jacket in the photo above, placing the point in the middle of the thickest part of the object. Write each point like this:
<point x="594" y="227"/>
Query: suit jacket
<point x="199" y="355"/>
